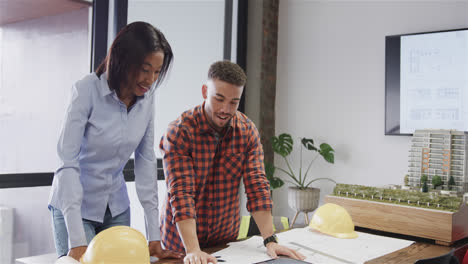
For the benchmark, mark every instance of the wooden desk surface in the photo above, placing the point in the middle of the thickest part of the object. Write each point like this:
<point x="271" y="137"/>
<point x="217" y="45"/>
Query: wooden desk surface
<point x="412" y="253"/>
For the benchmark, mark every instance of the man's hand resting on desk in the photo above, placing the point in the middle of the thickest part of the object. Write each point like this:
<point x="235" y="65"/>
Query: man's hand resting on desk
<point x="275" y="249"/>
<point x="199" y="257"/>
<point x="156" y="250"/>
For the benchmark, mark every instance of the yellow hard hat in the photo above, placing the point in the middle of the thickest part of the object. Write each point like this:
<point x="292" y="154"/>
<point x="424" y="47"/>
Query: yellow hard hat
<point x="334" y="220"/>
<point x="118" y="244"/>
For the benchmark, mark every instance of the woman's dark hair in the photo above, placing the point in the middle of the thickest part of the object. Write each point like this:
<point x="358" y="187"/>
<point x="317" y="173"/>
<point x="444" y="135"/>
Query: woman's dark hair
<point x="128" y="51"/>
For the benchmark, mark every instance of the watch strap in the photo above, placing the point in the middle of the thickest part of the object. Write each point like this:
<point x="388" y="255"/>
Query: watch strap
<point x="272" y="238"/>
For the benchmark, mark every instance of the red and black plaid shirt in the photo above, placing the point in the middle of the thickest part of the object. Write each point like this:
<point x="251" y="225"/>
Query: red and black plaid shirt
<point x="203" y="171"/>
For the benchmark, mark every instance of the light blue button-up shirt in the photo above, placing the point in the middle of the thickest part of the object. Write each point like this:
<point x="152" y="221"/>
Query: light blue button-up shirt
<point x="97" y="139"/>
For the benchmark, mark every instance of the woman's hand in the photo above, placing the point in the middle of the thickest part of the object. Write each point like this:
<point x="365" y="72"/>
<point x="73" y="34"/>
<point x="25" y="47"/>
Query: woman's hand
<point x="156" y="250"/>
<point x="77" y="252"/>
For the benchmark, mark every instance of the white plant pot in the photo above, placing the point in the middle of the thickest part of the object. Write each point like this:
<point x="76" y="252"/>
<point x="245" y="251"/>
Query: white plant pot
<point x="303" y="200"/>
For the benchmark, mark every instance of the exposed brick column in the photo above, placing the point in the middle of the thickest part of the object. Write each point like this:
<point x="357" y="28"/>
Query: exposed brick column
<point x="268" y="75"/>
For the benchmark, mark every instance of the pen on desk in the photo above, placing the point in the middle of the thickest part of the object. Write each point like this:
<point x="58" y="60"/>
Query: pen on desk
<point x="218" y="258"/>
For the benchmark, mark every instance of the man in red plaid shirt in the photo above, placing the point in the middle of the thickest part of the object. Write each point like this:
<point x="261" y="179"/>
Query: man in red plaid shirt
<point x="207" y="151"/>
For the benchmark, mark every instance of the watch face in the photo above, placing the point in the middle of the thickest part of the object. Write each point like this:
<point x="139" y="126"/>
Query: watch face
<point x="274" y="238"/>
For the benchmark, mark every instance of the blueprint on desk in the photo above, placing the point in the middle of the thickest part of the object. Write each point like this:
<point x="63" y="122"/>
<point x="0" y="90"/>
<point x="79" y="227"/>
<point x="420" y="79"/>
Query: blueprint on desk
<point x="317" y="247"/>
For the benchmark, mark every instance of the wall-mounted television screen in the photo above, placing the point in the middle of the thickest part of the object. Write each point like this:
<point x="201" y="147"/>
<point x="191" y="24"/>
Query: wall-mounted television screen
<point x="426" y="81"/>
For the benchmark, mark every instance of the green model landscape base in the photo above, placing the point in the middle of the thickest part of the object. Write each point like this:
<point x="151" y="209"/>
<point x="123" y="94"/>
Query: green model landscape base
<point x="432" y="200"/>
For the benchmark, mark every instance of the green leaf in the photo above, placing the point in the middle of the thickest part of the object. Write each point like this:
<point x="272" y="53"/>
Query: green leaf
<point x="275" y="182"/>
<point x="269" y="170"/>
<point x="327" y="152"/>
<point x="330" y="157"/>
<point x="283" y="144"/>
<point x="326" y="148"/>
<point x="308" y="143"/>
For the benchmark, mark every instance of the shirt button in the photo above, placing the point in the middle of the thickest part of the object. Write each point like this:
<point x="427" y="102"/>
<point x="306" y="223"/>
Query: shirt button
<point x="211" y="204"/>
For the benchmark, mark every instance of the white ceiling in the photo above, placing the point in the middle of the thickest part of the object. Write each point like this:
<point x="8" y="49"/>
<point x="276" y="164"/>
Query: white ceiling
<point x="18" y="10"/>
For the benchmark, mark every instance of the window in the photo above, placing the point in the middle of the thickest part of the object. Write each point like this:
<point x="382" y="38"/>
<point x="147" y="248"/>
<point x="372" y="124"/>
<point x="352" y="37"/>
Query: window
<point x="47" y="45"/>
<point x="195" y="30"/>
<point x="44" y="49"/>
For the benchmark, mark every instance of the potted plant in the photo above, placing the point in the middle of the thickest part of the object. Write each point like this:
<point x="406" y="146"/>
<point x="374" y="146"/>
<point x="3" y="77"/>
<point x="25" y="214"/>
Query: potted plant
<point x="302" y="197"/>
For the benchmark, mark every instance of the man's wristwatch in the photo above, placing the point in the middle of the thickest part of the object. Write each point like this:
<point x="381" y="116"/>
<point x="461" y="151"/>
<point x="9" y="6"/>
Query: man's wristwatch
<point x="272" y="238"/>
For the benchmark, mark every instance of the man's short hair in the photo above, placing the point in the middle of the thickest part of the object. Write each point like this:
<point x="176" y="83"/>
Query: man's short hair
<point x="228" y="72"/>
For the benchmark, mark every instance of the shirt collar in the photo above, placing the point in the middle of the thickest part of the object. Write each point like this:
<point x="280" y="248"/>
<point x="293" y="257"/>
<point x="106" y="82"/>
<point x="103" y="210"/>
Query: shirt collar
<point x="104" y="88"/>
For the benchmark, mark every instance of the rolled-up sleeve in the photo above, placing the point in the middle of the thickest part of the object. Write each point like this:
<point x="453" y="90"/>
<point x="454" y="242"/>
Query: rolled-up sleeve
<point x="179" y="172"/>
<point x="67" y="191"/>
<point x="146" y="181"/>
<point x="256" y="184"/>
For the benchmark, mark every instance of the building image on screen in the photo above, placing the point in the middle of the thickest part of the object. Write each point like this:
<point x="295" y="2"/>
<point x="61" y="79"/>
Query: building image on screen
<point x="434" y="81"/>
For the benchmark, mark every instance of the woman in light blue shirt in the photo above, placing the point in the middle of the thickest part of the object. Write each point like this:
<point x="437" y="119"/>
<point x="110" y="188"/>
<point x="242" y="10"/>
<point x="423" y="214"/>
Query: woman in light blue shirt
<point x="110" y="116"/>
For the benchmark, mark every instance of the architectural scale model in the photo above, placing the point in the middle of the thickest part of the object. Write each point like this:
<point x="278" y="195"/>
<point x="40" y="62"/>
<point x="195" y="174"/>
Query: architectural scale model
<point x="441" y="153"/>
